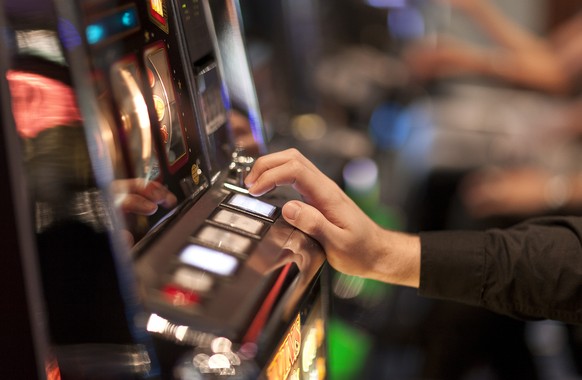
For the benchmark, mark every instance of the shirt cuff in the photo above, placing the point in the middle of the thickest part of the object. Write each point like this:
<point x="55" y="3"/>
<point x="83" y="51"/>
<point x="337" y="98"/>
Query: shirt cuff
<point x="452" y="266"/>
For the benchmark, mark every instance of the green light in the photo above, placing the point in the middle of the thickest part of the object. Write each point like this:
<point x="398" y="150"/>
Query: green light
<point x="348" y="350"/>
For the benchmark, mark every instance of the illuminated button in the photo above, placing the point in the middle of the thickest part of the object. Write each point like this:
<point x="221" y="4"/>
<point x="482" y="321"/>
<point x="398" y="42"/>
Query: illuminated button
<point x="95" y="33"/>
<point x="238" y="221"/>
<point x="193" y="279"/>
<point x="208" y="259"/>
<point x="253" y="205"/>
<point x="129" y="18"/>
<point x="180" y="297"/>
<point x="223" y="239"/>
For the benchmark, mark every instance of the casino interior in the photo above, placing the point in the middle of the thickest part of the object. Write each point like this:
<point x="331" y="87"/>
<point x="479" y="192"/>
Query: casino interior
<point x="133" y="250"/>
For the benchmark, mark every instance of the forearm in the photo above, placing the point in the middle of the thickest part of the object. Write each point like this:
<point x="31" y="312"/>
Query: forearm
<point x="501" y="29"/>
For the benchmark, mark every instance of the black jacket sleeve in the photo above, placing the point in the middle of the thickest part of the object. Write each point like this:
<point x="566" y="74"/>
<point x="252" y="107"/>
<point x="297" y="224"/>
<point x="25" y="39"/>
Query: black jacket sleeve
<point x="530" y="271"/>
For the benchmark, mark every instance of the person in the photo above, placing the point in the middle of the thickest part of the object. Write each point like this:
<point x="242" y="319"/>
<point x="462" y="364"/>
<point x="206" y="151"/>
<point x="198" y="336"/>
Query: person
<point x="530" y="271"/>
<point x="549" y="64"/>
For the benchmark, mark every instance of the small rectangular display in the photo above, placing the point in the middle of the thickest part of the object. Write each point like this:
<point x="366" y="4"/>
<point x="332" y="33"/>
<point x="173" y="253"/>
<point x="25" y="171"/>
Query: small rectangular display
<point x="208" y="259"/>
<point x="252" y="205"/>
<point x="239" y="221"/>
<point x="224" y="239"/>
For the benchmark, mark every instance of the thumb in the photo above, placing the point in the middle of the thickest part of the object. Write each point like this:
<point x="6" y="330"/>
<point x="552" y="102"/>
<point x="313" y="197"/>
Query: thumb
<point x="308" y="219"/>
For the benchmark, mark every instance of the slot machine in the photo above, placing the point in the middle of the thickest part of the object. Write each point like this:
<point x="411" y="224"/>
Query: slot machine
<point x="227" y="286"/>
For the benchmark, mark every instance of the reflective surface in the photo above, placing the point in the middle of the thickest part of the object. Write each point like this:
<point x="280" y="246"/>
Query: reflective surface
<point x="128" y="129"/>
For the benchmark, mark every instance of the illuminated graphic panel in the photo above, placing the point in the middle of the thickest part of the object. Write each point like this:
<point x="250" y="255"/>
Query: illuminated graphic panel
<point x="287" y="354"/>
<point x="302" y="354"/>
<point x="158" y="14"/>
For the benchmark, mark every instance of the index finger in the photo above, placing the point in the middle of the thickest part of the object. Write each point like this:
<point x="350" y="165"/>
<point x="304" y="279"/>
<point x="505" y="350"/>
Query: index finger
<point x="291" y="168"/>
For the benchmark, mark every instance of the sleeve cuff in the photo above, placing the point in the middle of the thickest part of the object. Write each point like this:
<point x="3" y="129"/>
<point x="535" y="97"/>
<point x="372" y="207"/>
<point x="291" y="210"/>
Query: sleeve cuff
<point x="452" y="266"/>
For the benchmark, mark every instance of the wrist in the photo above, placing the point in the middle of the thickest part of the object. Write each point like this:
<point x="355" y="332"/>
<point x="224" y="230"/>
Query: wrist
<point x="399" y="259"/>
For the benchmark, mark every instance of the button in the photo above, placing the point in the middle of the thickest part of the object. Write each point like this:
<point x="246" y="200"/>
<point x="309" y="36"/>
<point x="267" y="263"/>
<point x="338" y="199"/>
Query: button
<point x="225" y="240"/>
<point x="251" y="205"/>
<point x="239" y="221"/>
<point x="209" y="260"/>
<point x="180" y="297"/>
<point x="192" y="279"/>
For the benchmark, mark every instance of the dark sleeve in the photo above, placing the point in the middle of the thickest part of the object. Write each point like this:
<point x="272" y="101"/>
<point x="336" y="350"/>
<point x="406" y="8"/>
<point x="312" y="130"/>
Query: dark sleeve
<point x="530" y="271"/>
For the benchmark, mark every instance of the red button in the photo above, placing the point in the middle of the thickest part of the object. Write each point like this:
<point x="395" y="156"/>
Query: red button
<point x="180" y="297"/>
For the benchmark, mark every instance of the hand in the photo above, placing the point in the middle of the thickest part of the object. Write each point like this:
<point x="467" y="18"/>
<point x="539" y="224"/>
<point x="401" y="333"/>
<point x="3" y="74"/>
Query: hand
<point x="141" y="197"/>
<point x="353" y="243"/>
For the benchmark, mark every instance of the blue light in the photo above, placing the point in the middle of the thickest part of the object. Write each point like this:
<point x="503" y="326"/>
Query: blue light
<point x="387" y="3"/>
<point x="406" y="23"/>
<point x="128" y="18"/>
<point x="95" y="33"/>
<point x="68" y="33"/>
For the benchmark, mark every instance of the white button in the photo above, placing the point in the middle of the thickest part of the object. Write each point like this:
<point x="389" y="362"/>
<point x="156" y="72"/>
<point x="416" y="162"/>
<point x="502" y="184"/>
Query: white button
<point x="238" y="221"/>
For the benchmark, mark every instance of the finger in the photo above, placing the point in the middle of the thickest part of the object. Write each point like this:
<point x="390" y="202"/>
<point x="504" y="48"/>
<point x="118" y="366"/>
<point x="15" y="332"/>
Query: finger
<point x="312" y="185"/>
<point x="136" y="204"/>
<point x="276" y="159"/>
<point x="309" y="220"/>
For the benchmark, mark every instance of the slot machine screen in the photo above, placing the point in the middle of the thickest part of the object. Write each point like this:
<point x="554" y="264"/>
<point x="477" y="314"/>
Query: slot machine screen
<point x="160" y="81"/>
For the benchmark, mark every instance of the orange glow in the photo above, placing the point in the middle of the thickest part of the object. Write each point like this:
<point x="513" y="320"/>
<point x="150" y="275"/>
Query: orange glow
<point x="53" y="371"/>
<point x="39" y="103"/>
<point x="287" y="353"/>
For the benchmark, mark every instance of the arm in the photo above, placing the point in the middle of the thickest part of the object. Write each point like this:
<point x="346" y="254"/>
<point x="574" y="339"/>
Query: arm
<point x="531" y="271"/>
<point x="499" y="27"/>
<point x="354" y="244"/>
<point x="522" y="57"/>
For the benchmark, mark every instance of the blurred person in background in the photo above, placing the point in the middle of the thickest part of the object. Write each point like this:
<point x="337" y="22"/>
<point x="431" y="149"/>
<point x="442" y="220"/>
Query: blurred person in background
<point x="552" y="64"/>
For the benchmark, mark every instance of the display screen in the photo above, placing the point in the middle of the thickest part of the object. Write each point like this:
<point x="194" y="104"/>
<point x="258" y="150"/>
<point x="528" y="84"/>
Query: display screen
<point x="253" y="205"/>
<point x="208" y="259"/>
<point x="224" y="239"/>
<point x="238" y="221"/>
